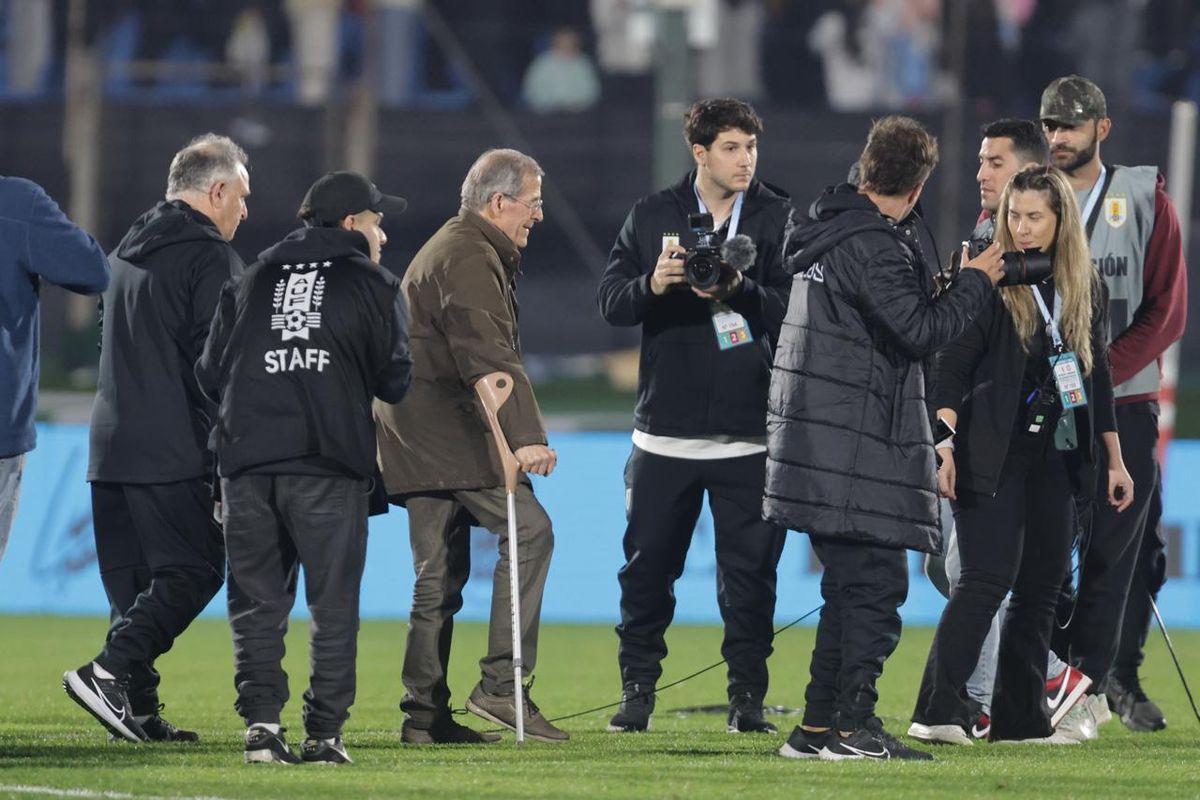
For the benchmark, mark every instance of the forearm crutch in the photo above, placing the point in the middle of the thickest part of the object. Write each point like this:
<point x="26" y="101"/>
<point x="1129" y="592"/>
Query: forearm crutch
<point x="493" y="390"/>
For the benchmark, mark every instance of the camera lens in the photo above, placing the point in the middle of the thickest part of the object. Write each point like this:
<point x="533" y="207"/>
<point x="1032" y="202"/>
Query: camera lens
<point x="1026" y="268"/>
<point x="702" y="270"/>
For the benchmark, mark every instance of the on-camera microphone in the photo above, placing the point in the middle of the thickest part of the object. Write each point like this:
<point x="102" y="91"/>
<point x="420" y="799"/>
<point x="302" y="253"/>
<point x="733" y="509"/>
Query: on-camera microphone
<point x="739" y="252"/>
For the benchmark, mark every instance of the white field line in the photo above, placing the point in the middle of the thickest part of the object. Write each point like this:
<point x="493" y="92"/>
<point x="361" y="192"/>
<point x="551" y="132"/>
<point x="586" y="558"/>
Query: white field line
<point x="51" y="791"/>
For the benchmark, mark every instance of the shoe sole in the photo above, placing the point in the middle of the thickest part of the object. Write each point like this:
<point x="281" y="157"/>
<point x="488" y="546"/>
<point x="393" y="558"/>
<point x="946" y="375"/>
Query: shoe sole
<point x="1070" y="700"/>
<point x="77" y="690"/>
<point x="736" y="729"/>
<point x="933" y="734"/>
<point x="264" y="757"/>
<point x="827" y="755"/>
<point x="484" y="714"/>
<point x="787" y="751"/>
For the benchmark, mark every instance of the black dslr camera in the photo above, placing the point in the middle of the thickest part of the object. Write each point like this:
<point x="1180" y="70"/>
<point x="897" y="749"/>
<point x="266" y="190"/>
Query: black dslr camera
<point x="1019" y="267"/>
<point x="703" y="265"/>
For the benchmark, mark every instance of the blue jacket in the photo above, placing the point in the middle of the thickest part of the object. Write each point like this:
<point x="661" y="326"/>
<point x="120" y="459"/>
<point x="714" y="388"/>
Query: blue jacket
<point x="37" y="242"/>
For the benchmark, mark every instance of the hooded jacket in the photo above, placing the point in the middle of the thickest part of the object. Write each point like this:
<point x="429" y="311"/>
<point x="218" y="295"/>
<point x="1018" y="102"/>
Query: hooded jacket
<point x="300" y="345"/>
<point x="849" y="442"/>
<point x="150" y="422"/>
<point x="687" y="385"/>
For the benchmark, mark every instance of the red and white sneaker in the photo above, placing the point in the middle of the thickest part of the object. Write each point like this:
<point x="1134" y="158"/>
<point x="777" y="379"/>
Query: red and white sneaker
<point x="981" y="727"/>
<point x="1064" y="691"/>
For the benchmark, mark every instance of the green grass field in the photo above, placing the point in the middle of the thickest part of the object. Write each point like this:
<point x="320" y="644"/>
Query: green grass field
<point x="50" y="747"/>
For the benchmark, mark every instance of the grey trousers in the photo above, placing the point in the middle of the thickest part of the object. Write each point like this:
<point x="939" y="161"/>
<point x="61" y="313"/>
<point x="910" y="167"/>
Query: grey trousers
<point x="274" y="524"/>
<point x="439" y="528"/>
<point x="10" y="492"/>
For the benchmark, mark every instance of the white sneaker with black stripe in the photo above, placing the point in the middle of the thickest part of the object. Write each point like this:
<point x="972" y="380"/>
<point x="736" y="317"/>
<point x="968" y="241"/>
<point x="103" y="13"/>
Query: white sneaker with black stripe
<point x="105" y="699"/>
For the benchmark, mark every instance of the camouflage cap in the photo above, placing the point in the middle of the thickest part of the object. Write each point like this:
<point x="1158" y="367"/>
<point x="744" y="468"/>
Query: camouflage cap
<point x="1072" y="100"/>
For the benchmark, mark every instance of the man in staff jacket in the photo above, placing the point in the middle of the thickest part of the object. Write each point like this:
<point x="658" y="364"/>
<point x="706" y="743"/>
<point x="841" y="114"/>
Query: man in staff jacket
<point x="300" y="345"/>
<point x="1135" y="244"/>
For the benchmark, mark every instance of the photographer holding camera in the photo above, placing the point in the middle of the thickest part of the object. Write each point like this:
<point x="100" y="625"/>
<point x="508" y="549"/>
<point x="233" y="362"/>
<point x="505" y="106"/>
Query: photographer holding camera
<point x="709" y="318"/>
<point x="1030" y="393"/>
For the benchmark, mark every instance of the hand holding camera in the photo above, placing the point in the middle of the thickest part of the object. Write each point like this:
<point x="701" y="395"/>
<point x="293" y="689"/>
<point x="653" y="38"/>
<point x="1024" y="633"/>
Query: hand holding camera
<point x="990" y="261"/>
<point x="668" y="270"/>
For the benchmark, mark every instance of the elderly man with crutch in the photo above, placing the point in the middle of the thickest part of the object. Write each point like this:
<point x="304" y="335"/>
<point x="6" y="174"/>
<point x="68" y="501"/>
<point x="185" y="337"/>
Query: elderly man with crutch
<point x="442" y="463"/>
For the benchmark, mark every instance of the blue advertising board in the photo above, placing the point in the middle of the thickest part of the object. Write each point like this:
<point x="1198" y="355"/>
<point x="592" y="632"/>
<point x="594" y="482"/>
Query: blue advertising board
<point x="51" y="568"/>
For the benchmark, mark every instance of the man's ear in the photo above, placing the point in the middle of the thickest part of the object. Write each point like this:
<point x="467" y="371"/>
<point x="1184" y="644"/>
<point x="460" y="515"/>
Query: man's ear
<point x="348" y="223"/>
<point x="216" y="193"/>
<point x="699" y="154"/>
<point x="1103" y="126"/>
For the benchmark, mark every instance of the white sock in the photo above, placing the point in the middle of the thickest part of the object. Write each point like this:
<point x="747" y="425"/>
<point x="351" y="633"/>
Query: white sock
<point x="273" y="727"/>
<point x="101" y="672"/>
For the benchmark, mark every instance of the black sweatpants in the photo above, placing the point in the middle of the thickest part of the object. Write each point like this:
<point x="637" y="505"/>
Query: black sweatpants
<point x="1018" y="539"/>
<point x="863" y="588"/>
<point x="1149" y="576"/>
<point x="663" y="497"/>
<point x="162" y="559"/>
<point x="1090" y="641"/>
<point x="274" y="524"/>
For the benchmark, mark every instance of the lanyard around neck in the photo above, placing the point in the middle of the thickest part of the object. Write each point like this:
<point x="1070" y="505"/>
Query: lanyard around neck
<point x="734" y="218"/>
<point x="1051" y="321"/>
<point x="1094" y="196"/>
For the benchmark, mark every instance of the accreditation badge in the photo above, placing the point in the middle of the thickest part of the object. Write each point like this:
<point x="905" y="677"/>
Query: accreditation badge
<point x="1069" y="380"/>
<point x="731" y="327"/>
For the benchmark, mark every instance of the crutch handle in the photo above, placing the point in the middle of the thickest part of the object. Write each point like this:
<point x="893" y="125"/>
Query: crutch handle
<point x="494" y="390"/>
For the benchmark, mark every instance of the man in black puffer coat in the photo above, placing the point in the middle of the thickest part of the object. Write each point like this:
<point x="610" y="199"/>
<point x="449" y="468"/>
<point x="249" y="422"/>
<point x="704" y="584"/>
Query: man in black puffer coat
<point x="850" y="455"/>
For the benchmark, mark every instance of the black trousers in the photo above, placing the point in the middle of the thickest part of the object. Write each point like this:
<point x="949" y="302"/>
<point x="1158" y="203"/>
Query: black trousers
<point x="663" y="497"/>
<point x="162" y="559"/>
<point x="1148" y="578"/>
<point x="863" y="587"/>
<point x="1018" y="539"/>
<point x="1090" y="641"/>
<point x="274" y="524"/>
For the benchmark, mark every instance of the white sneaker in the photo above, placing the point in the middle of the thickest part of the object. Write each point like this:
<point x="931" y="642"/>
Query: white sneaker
<point x="1098" y="703"/>
<point x="1054" y="738"/>
<point x="1079" y="723"/>
<point x="940" y="734"/>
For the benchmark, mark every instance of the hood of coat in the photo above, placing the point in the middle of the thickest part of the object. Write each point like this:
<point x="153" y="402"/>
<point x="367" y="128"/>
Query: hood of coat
<point x="170" y="222"/>
<point x="311" y="244"/>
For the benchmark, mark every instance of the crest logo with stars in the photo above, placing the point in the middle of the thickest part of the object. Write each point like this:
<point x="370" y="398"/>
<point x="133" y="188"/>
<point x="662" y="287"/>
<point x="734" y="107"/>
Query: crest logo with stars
<point x="297" y="300"/>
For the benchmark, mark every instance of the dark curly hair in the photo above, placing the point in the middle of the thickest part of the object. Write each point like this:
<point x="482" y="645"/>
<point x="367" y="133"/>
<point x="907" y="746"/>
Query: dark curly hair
<point x="899" y="155"/>
<point x="706" y="119"/>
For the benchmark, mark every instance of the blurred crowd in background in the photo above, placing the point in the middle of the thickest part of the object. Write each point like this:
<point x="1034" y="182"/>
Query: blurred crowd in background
<point x="570" y="55"/>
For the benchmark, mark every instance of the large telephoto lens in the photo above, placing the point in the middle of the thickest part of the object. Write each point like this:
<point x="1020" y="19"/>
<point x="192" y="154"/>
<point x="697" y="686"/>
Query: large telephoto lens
<point x="1026" y="268"/>
<point x="702" y="270"/>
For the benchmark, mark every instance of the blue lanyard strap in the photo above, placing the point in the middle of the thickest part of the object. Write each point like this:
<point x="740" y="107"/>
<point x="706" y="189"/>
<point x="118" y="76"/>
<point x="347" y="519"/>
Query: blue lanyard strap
<point x="1051" y="321"/>
<point x="734" y="218"/>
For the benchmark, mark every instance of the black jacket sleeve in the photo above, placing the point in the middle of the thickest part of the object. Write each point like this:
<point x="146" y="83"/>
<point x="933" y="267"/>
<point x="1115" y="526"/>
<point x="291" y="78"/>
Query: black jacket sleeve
<point x="894" y="304"/>
<point x="208" y="365"/>
<point x="765" y="303"/>
<point x="1104" y="413"/>
<point x="212" y="271"/>
<point x="957" y="361"/>
<point x="393" y="379"/>
<point x="624" y="294"/>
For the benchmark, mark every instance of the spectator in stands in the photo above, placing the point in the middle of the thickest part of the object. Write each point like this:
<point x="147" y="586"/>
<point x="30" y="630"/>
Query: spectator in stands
<point x="314" y="47"/>
<point x="37" y="242"/>
<point x="562" y="78"/>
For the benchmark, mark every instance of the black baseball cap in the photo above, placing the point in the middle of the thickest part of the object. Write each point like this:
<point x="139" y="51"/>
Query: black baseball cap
<point x="336" y="195"/>
<point x="1072" y="100"/>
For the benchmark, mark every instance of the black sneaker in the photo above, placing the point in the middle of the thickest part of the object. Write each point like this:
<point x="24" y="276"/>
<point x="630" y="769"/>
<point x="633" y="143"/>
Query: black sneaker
<point x="158" y="729"/>
<point x="105" y="699"/>
<point x="324" y="751"/>
<point x="637" y="706"/>
<point x="264" y="747"/>
<point x="445" y="730"/>
<point x="1127" y="700"/>
<point x="870" y="742"/>
<point x="746" y="716"/>
<point x="501" y="709"/>
<point x="804" y="744"/>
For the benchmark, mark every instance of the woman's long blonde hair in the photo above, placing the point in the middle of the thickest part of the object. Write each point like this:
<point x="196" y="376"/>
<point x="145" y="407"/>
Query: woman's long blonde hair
<point x="1074" y="276"/>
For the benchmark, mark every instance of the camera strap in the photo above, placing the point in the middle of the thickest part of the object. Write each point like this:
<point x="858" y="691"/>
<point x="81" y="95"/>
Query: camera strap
<point x="1090" y="213"/>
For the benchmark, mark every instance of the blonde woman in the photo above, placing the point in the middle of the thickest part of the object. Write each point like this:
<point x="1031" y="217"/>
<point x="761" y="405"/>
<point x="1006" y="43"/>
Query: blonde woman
<point x="1028" y="389"/>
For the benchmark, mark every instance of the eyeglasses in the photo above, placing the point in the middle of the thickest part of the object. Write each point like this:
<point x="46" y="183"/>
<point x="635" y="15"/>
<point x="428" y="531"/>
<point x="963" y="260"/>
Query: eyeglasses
<point x="534" y="207"/>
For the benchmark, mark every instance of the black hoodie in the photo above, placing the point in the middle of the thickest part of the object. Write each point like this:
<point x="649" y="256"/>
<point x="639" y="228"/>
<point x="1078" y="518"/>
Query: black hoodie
<point x="849" y="443"/>
<point x="150" y="423"/>
<point x="301" y="343"/>
<point x="687" y="385"/>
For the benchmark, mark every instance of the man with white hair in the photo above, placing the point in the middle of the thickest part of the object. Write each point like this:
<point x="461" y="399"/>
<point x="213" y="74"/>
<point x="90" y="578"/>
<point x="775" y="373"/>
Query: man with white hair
<point x="161" y="553"/>
<point x="438" y="462"/>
